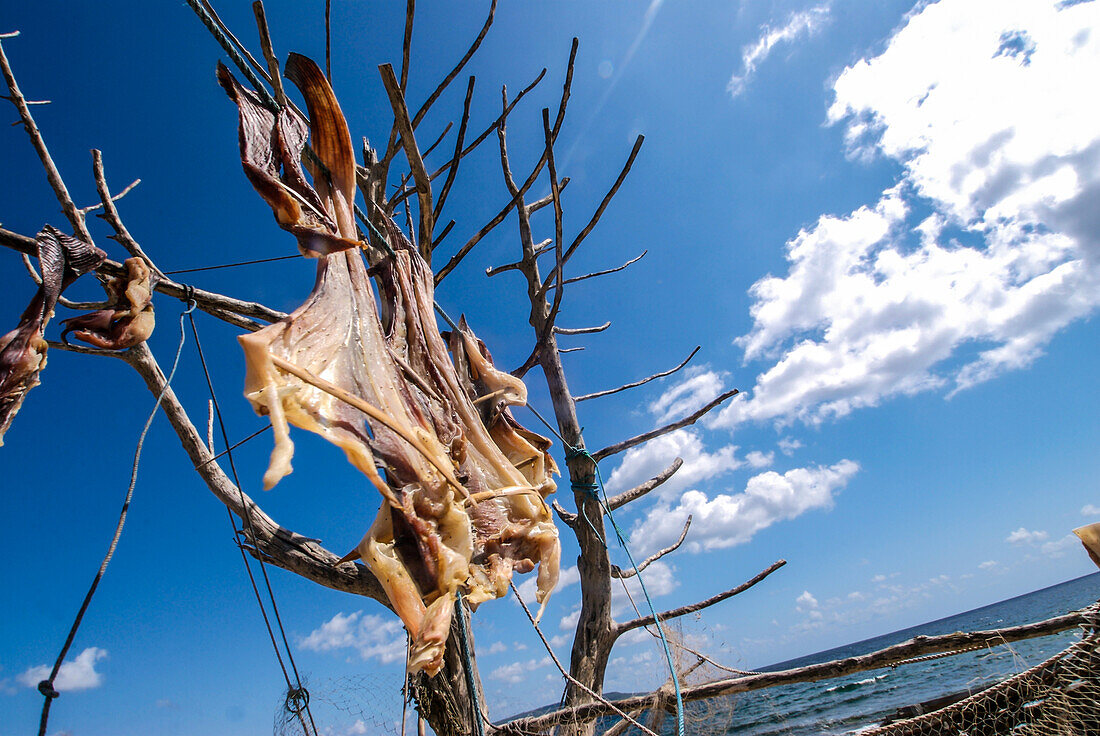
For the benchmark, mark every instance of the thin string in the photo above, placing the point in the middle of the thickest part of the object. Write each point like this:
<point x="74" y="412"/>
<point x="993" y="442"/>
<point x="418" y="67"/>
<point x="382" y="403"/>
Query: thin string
<point x="46" y="687"/>
<point x="297" y="698"/>
<point x="591" y="489"/>
<point x="230" y="265"/>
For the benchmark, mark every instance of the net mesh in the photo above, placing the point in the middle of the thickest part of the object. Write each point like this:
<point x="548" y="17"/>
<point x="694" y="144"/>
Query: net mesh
<point x="1059" y="697"/>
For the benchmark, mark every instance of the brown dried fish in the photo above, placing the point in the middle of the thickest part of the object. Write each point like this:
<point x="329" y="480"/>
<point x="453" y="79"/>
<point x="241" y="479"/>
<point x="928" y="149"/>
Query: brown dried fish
<point x="129" y="322"/>
<point x="62" y="258"/>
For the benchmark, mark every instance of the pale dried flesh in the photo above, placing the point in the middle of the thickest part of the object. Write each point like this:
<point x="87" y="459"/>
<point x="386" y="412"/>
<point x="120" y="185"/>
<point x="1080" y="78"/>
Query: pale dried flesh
<point x="128" y="321"/>
<point x="463" y="484"/>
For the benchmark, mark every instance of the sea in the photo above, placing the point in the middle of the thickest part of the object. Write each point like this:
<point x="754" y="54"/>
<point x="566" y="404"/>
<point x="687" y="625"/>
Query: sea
<point x="850" y="704"/>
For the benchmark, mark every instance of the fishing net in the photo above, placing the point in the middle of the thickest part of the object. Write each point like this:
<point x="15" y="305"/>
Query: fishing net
<point x="1059" y="697"/>
<point x="356" y="704"/>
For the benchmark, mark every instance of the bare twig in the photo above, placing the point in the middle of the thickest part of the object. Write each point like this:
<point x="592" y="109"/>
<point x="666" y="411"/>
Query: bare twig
<point x="559" y="257"/>
<point x="406" y="44"/>
<point x="72" y="213"/>
<point x="33" y="273"/>
<point x="646" y="436"/>
<point x="458" y="67"/>
<point x="273" y="73"/>
<point x="617" y="572"/>
<point x="458" y="151"/>
<point x="603" y="206"/>
<point x="429" y="149"/>
<point x="538" y="204"/>
<point x="622" y="499"/>
<point x="594" y="274"/>
<point x="443" y="233"/>
<point x="642" y="382"/>
<point x="115" y="198"/>
<point x="543" y="247"/>
<point x="566" y="516"/>
<point x="580" y="330"/>
<point x="571" y="350"/>
<point x="622" y="628"/>
<point x="416" y="162"/>
<point x="110" y="214"/>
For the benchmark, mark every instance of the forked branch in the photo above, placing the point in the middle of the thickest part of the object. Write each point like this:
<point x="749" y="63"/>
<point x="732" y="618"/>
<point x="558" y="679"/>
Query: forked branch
<point x="618" y="572"/>
<point x="594" y="274"/>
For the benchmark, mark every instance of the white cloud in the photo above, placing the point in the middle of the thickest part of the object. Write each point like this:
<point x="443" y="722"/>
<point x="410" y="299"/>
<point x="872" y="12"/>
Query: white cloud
<point x="757" y="459"/>
<point x="495" y="648"/>
<point x="730" y="519"/>
<point x="373" y="637"/>
<point x="660" y="579"/>
<point x="876" y="304"/>
<point x="1024" y="536"/>
<point x="516" y="672"/>
<point x="788" y="445"/>
<point x="358" y="728"/>
<point x="1059" y="547"/>
<point x="1090" y="510"/>
<point x="700" y="387"/>
<point x="806" y="601"/>
<point x="987" y="565"/>
<point x="646" y="461"/>
<point x="805" y="23"/>
<point x="75" y="674"/>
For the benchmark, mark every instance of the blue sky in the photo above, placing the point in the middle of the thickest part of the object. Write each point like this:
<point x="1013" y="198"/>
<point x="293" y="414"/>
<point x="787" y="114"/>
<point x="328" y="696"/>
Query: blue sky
<point x="877" y="219"/>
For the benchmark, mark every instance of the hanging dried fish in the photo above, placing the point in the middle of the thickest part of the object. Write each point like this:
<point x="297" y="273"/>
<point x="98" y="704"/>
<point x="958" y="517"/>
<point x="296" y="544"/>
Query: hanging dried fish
<point x="61" y="258"/>
<point x="464" y="484"/>
<point x="129" y="322"/>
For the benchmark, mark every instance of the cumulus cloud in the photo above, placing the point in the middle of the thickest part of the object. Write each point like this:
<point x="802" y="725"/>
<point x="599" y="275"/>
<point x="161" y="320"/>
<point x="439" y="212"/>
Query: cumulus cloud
<point x="806" y="601"/>
<point x="1090" y="510"/>
<point x="516" y="672"/>
<point x="1059" y="547"/>
<point x="75" y="674"/>
<point x="373" y="637"/>
<point x="805" y="23"/>
<point x="987" y="246"/>
<point x="645" y="461"/>
<point x="788" y="445"/>
<point x="757" y="459"/>
<point x="700" y="387"/>
<point x="730" y="519"/>
<point x="1025" y="536"/>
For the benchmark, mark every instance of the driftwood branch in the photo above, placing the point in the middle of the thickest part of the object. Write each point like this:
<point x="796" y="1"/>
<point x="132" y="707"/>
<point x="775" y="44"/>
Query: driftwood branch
<point x="889" y="656"/>
<point x="465" y="120"/>
<point x="642" y="382"/>
<point x="438" y="139"/>
<point x="633" y="494"/>
<point x="273" y="73"/>
<point x="646" y="436"/>
<point x="580" y="330"/>
<point x="622" y="628"/>
<point x="568" y="517"/>
<point x="618" y="572"/>
<point x="594" y="274"/>
<point x="72" y="213"/>
<point x="406" y="43"/>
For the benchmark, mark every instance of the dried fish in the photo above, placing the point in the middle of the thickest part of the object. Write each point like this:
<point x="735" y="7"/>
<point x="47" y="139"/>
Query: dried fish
<point x="463" y="484"/>
<point x="127" y="323"/>
<point x="62" y="258"/>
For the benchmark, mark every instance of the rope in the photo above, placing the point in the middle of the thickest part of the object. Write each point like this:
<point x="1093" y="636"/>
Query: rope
<point x="230" y="265"/>
<point x="591" y="489"/>
<point x="297" y="697"/>
<point x="46" y="687"/>
<point x="468" y="669"/>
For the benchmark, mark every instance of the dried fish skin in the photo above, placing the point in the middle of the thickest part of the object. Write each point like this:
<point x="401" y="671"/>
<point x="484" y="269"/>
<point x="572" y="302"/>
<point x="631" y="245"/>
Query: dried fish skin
<point x="62" y="258"/>
<point x="129" y="322"/>
<point x="463" y="500"/>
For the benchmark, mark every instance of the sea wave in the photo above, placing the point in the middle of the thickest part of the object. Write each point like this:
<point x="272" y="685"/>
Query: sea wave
<point x="847" y="686"/>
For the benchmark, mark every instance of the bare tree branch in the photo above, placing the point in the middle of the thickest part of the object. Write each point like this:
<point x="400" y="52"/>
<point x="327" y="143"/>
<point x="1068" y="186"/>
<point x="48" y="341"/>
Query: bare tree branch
<point x="274" y="543"/>
<point x="538" y="204"/>
<point x="442" y="234"/>
<point x="114" y="198"/>
<point x="622" y="499"/>
<point x="429" y="149"/>
<point x="273" y="74"/>
<point x="406" y="43"/>
<point x="416" y="162"/>
<point x="594" y="274"/>
<point x="603" y="206"/>
<point x="571" y="350"/>
<point x="559" y="257"/>
<point x="581" y="330"/>
<point x="646" y="436"/>
<point x="458" y="151"/>
<point x="458" y="67"/>
<point x="566" y="516"/>
<point x="622" y="628"/>
<point x="642" y="382"/>
<point x="889" y="656"/>
<point x="72" y="213"/>
<point x="618" y="572"/>
<point x="110" y="214"/>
